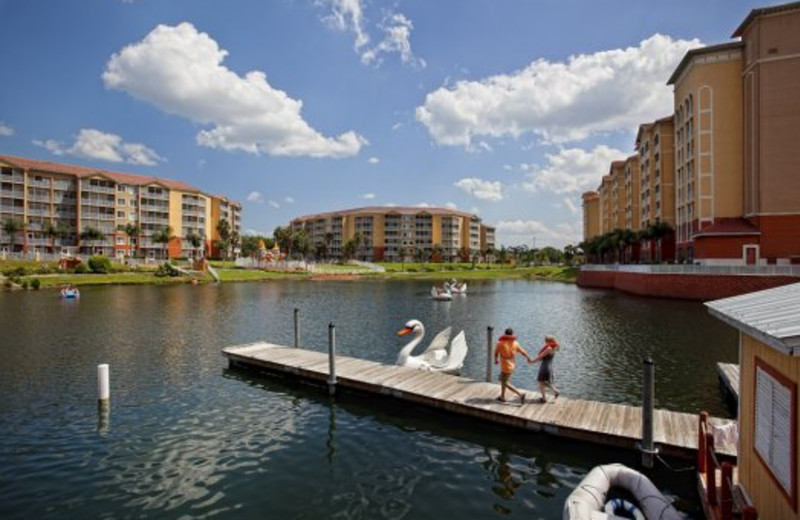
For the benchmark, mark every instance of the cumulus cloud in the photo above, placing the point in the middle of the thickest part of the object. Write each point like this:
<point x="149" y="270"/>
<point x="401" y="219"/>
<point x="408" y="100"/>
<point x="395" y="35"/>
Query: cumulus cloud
<point x="273" y="204"/>
<point x="368" y="196"/>
<point x="480" y="189"/>
<point x="516" y="232"/>
<point x="5" y="130"/>
<point x="451" y="205"/>
<point x="348" y="15"/>
<point x="255" y="196"/>
<point x="571" y="171"/>
<point x="180" y="71"/>
<point x="373" y="160"/>
<point x="571" y="205"/>
<point x="559" y="101"/>
<point x="94" y="144"/>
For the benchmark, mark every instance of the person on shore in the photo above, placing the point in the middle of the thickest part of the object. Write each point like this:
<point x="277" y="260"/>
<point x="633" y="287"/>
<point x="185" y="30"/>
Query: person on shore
<point x="545" y="376"/>
<point x="504" y="353"/>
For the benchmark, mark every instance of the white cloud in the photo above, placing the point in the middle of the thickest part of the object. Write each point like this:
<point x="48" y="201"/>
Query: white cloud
<point x="179" y="70"/>
<point x="517" y="232"/>
<point x="5" y="130"/>
<point x="94" y="144"/>
<point x="373" y="160"/>
<point x="255" y="196"/>
<point x="571" y="205"/>
<point x="422" y="205"/>
<point x="571" y="171"/>
<point x="273" y="204"/>
<point x="480" y="189"/>
<point x="508" y="167"/>
<point x="288" y="200"/>
<point x="368" y="196"/>
<point x="348" y="15"/>
<point x="451" y="205"/>
<point x="256" y="233"/>
<point x="560" y="101"/>
<point x="397" y="126"/>
<point x="397" y="38"/>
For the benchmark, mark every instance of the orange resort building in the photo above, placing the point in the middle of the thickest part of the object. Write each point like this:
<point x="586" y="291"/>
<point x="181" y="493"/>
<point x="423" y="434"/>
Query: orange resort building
<point x="395" y="234"/>
<point x="718" y="180"/>
<point x="58" y="207"/>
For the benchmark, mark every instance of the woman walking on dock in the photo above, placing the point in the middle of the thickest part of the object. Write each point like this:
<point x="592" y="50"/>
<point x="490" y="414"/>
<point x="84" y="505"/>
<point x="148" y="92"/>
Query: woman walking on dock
<point x="545" y="376"/>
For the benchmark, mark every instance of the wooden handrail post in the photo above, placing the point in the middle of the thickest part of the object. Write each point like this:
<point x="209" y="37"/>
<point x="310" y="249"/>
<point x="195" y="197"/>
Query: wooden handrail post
<point x="726" y="493"/>
<point x="296" y="329"/>
<point x="489" y="351"/>
<point x="711" y="471"/>
<point x="749" y="513"/>
<point x="648" y="390"/>
<point x="701" y="442"/>
<point x="331" y="359"/>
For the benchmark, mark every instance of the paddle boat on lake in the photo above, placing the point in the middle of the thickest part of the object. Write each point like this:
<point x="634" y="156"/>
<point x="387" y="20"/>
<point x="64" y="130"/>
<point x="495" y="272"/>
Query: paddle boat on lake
<point x="70" y="293"/>
<point x="441" y="293"/>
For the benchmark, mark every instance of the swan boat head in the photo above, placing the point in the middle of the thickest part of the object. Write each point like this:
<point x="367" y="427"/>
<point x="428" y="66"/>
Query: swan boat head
<point x="442" y="355"/>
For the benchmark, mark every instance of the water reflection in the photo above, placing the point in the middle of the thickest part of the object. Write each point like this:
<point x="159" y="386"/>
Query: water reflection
<point x="190" y="439"/>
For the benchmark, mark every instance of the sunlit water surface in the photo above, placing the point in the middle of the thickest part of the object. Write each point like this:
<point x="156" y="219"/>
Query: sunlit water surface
<point x="187" y="438"/>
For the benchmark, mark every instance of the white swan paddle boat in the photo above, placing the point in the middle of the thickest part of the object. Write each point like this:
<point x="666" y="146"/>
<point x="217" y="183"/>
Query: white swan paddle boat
<point x="590" y="501"/>
<point x="441" y="294"/>
<point x="442" y="355"/>
<point x="456" y="287"/>
<point x="70" y="294"/>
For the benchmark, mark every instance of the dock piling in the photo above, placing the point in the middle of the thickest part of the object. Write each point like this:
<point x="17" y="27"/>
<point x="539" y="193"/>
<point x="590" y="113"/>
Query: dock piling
<point x="331" y="359"/>
<point x="648" y="389"/>
<point x="489" y="331"/>
<point x="296" y="329"/>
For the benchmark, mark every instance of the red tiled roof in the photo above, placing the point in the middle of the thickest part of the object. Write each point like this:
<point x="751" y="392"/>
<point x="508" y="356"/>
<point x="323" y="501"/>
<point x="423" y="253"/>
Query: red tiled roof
<point x="386" y="210"/>
<point x="82" y="172"/>
<point x="729" y="226"/>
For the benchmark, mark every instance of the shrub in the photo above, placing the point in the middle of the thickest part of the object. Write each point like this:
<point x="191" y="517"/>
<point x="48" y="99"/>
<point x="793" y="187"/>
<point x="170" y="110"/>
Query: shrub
<point x="99" y="264"/>
<point x="24" y="284"/>
<point x="166" y="269"/>
<point x="81" y="268"/>
<point x="36" y="283"/>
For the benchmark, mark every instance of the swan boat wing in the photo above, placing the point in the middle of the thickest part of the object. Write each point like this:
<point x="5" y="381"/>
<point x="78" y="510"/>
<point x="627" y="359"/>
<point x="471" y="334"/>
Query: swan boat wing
<point x="456" y="355"/>
<point x="437" y="350"/>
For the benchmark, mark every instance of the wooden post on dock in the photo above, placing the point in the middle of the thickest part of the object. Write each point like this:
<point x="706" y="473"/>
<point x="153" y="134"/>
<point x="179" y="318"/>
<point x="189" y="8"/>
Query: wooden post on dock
<point x="331" y="358"/>
<point x="296" y="329"/>
<point x="489" y="331"/>
<point x="648" y="389"/>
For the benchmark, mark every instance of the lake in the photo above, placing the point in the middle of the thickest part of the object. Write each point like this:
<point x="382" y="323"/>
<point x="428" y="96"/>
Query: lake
<point x="188" y="438"/>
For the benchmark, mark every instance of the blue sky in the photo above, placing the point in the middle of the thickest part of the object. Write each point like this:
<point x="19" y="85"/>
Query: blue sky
<point x="506" y="108"/>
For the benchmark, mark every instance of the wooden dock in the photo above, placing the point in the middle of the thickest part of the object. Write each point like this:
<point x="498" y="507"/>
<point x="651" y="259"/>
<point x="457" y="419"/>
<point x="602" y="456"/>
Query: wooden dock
<point x="729" y="375"/>
<point x="617" y="425"/>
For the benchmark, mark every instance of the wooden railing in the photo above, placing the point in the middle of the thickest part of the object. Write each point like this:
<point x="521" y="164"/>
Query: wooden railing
<point x="721" y="502"/>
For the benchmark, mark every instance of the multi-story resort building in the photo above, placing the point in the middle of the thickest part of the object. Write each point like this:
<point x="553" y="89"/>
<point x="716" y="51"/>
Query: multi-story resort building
<point x="55" y="205"/>
<point x="722" y="171"/>
<point x="396" y="234"/>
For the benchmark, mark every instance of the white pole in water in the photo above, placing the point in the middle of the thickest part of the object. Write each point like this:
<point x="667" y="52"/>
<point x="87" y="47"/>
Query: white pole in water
<point x="332" y="358"/>
<point x="103" y="386"/>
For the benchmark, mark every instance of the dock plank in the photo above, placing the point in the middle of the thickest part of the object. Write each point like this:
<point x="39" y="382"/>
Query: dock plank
<point x="729" y="375"/>
<point x="593" y="421"/>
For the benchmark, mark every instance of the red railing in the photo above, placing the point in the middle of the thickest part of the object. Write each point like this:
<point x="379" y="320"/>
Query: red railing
<point x="721" y="502"/>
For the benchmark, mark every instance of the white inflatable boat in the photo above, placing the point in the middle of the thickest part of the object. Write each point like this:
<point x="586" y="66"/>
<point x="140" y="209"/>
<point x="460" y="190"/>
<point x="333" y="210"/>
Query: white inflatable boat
<point x="590" y="499"/>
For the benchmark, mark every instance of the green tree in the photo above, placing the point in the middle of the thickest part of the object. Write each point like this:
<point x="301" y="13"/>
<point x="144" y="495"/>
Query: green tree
<point x="52" y="232"/>
<point x="224" y="232"/>
<point x="131" y="230"/>
<point x="92" y="235"/>
<point x="283" y="236"/>
<point x="163" y="236"/>
<point x="349" y="249"/>
<point x="436" y="252"/>
<point x="301" y="243"/>
<point x="12" y="227"/>
<point x="195" y="240"/>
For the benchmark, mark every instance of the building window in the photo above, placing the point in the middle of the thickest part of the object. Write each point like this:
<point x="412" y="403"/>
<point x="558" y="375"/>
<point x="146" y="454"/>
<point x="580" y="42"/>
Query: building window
<point x="775" y="430"/>
<point x="120" y="241"/>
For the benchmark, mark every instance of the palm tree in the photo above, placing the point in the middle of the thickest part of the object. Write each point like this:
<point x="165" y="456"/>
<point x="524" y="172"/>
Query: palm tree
<point x="51" y="231"/>
<point x="283" y="236"/>
<point x="163" y="236"/>
<point x="224" y="230"/>
<point x="194" y="239"/>
<point x="130" y="230"/>
<point x="233" y="242"/>
<point x="436" y="252"/>
<point x="328" y="241"/>
<point x="92" y="234"/>
<point x="11" y="227"/>
<point x="349" y="249"/>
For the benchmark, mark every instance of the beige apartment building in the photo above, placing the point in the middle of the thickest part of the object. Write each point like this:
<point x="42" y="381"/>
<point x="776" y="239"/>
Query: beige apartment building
<point x="54" y="204"/>
<point x="591" y="214"/>
<point x="722" y="170"/>
<point x="708" y="151"/>
<point x="396" y="234"/>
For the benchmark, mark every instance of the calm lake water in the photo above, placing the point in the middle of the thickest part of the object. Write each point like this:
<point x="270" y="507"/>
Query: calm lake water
<point x="188" y="438"/>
